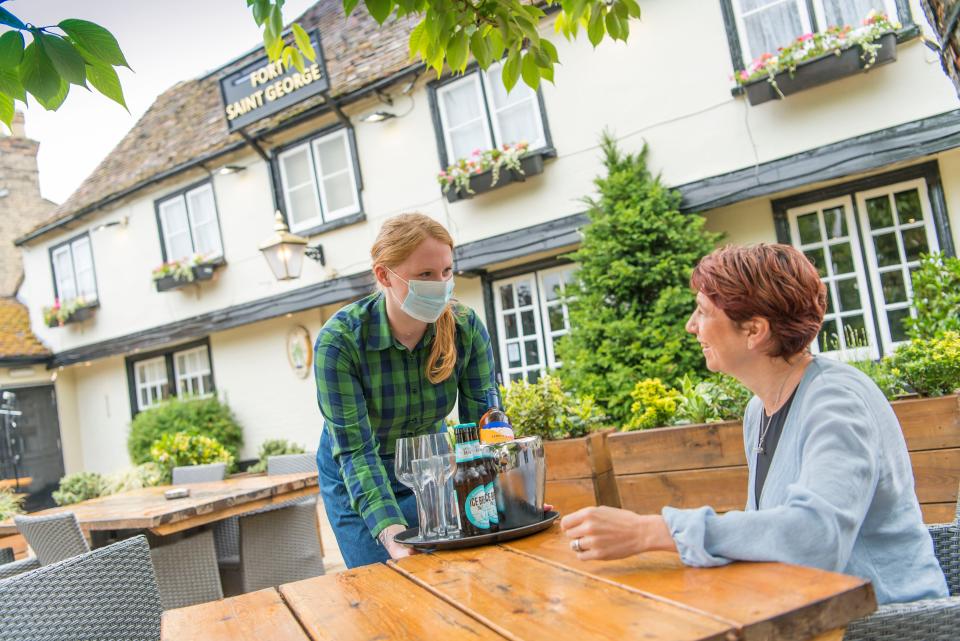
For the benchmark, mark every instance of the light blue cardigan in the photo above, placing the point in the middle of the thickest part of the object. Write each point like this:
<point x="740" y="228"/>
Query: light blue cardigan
<point x="839" y="494"/>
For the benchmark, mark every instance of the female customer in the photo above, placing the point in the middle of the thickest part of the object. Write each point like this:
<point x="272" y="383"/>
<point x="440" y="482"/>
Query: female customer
<point x="830" y="482"/>
<point x="392" y="365"/>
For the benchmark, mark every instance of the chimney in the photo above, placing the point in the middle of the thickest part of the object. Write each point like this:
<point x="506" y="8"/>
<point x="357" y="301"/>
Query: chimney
<point x="19" y="131"/>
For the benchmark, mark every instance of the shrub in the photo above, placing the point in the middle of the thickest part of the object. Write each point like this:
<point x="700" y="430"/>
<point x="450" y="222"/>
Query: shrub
<point x="80" y="486"/>
<point x="274" y="447"/>
<point x="133" y="478"/>
<point x="182" y="448"/>
<point x="887" y="377"/>
<point x="931" y="367"/>
<point x="544" y="409"/>
<point x="936" y="296"/>
<point x="632" y="299"/>
<point x="10" y="504"/>
<point x="717" y="398"/>
<point x="199" y="417"/>
<point x="654" y="405"/>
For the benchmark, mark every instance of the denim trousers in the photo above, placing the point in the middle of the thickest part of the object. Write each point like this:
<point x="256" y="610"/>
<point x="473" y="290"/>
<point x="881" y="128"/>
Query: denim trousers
<point x="357" y="545"/>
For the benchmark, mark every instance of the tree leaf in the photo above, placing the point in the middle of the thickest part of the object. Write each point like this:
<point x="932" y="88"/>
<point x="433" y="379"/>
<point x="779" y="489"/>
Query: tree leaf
<point x="530" y="71"/>
<point x="480" y="50"/>
<point x="417" y="41"/>
<point x="10" y="84"/>
<point x="11" y="49"/>
<point x="96" y="40"/>
<point x="550" y="50"/>
<point x="6" y="110"/>
<point x="66" y="60"/>
<point x="276" y="20"/>
<point x="457" y="51"/>
<point x="261" y="10"/>
<point x="613" y="25"/>
<point x="547" y="73"/>
<point x="495" y="42"/>
<point x="349" y="6"/>
<point x="38" y="74"/>
<point x="302" y="38"/>
<point x="10" y="20"/>
<point x="633" y="8"/>
<point x="104" y="79"/>
<point x="379" y="9"/>
<point x="54" y="103"/>
<point x="511" y="70"/>
<point x="595" y="27"/>
<point x="274" y="48"/>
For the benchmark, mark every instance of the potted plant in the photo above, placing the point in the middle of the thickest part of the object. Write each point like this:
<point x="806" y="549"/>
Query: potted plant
<point x="579" y="472"/>
<point x="177" y="273"/>
<point x="486" y="170"/>
<point x="817" y="58"/>
<point x="74" y="311"/>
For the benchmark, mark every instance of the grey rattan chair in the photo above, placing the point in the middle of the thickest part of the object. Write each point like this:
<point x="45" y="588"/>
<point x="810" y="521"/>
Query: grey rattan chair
<point x="187" y="571"/>
<point x="930" y="620"/>
<point x="53" y="538"/>
<point x="6" y="555"/>
<point x="110" y="593"/>
<point x="199" y="473"/>
<point x="291" y="464"/>
<point x="14" y="568"/>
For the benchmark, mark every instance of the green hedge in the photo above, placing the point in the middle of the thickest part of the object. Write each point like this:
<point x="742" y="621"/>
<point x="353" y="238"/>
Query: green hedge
<point x="199" y="417"/>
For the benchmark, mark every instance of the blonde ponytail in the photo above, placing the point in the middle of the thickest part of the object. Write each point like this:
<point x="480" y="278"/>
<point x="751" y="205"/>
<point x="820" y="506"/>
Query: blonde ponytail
<point x="398" y="238"/>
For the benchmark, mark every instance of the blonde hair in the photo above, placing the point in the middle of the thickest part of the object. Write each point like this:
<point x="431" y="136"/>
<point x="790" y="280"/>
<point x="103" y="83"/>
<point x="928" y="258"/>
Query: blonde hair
<point x="398" y="238"/>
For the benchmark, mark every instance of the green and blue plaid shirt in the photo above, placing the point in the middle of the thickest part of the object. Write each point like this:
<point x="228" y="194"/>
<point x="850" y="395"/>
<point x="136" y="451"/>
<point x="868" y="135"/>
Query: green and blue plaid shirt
<point x="372" y="390"/>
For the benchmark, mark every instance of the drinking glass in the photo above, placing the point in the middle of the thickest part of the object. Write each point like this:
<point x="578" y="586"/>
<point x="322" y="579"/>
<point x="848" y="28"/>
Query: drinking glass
<point x="443" y="464"/>
<point x="413" y="468"/>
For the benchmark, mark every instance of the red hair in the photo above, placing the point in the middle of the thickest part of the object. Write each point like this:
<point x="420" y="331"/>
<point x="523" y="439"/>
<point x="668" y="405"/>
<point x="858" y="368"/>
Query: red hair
<point x="772" y="281"/>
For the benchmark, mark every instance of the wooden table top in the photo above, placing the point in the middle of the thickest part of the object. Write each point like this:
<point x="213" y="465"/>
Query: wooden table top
<point x="533" y="589"/>
<point x="147" y="509"/>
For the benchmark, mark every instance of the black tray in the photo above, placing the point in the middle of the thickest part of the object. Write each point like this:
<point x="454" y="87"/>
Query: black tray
<point x="412" y="538"/>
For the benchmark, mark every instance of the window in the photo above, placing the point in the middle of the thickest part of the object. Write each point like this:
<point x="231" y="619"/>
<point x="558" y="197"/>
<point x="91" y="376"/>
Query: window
<point x="73" y="273"/>
<point x="189" y="224"/>
<point x="866" y="246"/>
<point x="320" y="181"/>
<point x="180" y="372"/>
<point x="476" y="112"/>
<point x="765" y="25"/>
<point x="532" y="314"/>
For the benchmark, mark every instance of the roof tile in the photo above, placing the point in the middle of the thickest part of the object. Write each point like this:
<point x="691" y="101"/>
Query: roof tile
<point x="16" y="338"/>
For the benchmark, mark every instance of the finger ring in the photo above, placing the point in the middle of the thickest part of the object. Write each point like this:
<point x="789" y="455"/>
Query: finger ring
<point x="576" y="545"/>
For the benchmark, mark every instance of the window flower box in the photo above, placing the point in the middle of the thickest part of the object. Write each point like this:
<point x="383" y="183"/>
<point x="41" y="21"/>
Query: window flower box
<point x="75" y="311"/>
<point x="176" y="274"/>
<point x="816" y="59"/>
<point x="487" y="170"/>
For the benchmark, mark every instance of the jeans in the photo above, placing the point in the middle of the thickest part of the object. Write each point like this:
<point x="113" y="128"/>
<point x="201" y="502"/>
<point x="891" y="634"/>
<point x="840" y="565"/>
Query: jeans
<point x="357" y="545"/>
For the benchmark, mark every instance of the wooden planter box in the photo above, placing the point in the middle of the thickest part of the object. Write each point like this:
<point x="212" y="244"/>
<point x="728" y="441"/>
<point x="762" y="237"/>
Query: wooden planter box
<point x="696" y="465"/>
<point x="82" y="314"/>
<point x="479" y="183"/>
<point x="819" y="71"/>
<point x="200" y="273"/>
<point x="579" y="473"/>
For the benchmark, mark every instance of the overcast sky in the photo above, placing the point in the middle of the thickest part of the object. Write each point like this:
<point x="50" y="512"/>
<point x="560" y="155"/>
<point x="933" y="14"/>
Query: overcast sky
<point x="164" y="41"/>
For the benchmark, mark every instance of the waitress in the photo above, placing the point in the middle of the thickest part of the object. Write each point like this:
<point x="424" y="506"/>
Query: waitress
<point x="392" y="365"/>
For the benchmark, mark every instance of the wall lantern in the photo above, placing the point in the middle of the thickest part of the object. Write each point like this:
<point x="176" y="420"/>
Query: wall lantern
<point x="284" y="251"/>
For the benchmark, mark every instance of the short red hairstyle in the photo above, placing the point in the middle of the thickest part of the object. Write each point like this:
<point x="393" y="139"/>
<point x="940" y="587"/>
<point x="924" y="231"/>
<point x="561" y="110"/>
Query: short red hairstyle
<point x="771" y="281"/>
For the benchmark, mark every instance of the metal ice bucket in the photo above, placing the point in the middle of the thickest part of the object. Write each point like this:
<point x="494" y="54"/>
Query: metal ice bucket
<point x="521" y="480"/>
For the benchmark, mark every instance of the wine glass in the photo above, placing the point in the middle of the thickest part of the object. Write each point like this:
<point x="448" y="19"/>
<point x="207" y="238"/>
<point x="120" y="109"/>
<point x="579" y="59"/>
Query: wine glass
<point x="443" y="464"/>
<point x="413" y="468"/>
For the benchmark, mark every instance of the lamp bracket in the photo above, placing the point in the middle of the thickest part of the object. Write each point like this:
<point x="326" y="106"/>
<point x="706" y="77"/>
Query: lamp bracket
<point x="316" y="253"/>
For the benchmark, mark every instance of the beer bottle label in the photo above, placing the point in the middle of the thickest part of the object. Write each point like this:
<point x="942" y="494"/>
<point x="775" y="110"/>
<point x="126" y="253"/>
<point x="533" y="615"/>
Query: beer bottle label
<point x="464" y="452"/>
<point x="492" y="505"/>
<point x="476" y="507"/>
<point x="496" y="432"/>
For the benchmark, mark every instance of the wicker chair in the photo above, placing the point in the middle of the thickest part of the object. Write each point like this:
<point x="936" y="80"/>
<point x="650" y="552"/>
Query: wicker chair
<point x="14" y="568"/>
<point x="929" y="620"/>
<point x="277" y="544"/>
<point x="186" y="571"/>
<point x="110" y="593"/>
<point x="199" y="473"/>
<point x="53" y="538"/>
<point x="6" y="555"/>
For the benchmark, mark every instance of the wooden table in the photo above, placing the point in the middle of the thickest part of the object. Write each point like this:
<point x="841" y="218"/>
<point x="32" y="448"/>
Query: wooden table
<point x="147" y="509"/>
<point x="534" y="589"/>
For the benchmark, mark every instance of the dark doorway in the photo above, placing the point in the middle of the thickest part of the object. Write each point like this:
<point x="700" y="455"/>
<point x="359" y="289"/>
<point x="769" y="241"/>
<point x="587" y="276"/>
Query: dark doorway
<point x="30" y="442"/>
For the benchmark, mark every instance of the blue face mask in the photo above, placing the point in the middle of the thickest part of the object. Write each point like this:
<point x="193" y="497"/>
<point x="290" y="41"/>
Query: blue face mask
<point x="426" y="299"/>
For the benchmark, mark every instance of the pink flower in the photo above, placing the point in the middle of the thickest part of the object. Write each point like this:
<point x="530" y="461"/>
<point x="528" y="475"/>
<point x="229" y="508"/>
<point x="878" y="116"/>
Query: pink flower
<point x="476" y="152"/>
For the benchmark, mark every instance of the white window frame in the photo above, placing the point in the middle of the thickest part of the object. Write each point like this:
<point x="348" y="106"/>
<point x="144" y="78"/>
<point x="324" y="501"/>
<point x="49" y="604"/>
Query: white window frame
<point x="549" y="333"/>
<point x="874" y="268"/>
<point x="540" y="309"/>
<point x="183" y="198"/>
<point x="191" y="379"/>
<point x="806" y="23"/>
<point x="853" y="237"/>
<point x="153" y="387"/>
<point x="316" y="180"/>
<point x="70" y="249"/>
<point x="483" y="91"/>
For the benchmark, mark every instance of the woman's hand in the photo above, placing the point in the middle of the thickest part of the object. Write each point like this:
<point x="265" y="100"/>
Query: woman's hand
<point x="603" y="532"/>
<point x="394" y="549"/>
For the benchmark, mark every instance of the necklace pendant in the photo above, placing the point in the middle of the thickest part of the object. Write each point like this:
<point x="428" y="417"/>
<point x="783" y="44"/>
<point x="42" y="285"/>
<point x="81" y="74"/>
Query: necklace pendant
<point x="759" y="450"/>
